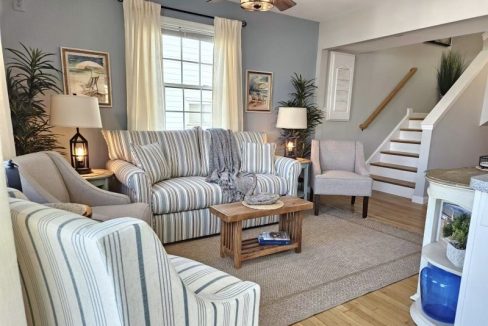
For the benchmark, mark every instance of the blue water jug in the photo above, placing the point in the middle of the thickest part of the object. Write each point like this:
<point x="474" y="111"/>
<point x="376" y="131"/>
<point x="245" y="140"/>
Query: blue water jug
<point x="439" y="292"/>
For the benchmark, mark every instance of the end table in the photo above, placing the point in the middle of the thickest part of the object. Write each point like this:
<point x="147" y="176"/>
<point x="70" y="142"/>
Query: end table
<point x="306" y="164"/>
<point x="99" y="178"/>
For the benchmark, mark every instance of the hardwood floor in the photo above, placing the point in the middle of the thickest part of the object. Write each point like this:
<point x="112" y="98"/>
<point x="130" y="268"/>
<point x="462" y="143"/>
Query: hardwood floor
<point x="390" y="305"/>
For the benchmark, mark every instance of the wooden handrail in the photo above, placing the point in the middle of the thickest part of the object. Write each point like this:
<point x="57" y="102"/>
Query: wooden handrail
<point x="387" y="99"/>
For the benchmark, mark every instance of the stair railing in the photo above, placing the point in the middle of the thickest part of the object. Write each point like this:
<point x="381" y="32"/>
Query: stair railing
<point x="388" y="98"/>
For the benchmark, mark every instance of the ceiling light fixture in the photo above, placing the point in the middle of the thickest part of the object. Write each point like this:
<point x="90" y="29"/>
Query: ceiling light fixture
<point x="257" y="5"/>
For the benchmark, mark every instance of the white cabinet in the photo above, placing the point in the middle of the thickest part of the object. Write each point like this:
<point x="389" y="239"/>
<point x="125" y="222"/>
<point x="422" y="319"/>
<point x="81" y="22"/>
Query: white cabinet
<point x="453" y="186"/>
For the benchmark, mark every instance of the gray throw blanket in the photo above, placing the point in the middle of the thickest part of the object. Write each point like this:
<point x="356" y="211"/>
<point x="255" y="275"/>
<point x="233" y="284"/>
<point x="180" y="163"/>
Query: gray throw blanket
<point x="225" y="164"/>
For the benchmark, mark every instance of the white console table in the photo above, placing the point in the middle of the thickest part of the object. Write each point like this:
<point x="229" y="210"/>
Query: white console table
<point x="453" y="186"/>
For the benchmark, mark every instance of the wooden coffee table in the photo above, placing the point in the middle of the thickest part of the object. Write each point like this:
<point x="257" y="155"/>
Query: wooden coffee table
<point x="232" y="215"/>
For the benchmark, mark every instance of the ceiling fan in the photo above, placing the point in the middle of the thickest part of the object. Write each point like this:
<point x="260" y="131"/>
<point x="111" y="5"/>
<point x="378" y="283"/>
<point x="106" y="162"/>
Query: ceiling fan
<point x="264" y="5"/>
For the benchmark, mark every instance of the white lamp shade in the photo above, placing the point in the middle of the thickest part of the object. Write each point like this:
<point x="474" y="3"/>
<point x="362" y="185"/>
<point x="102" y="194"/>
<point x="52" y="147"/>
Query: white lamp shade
<point x="75" y="111"/>
<point x="292" y="118"/>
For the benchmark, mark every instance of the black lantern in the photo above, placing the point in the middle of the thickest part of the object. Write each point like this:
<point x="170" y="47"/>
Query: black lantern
<point x="80" y="159"/>
<point x="291" y="147"/>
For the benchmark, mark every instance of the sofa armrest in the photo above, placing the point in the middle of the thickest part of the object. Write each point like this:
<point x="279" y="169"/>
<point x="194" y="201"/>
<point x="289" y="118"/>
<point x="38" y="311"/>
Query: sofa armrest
<point x="290" y="170"/>
<point x="136" y="183"/>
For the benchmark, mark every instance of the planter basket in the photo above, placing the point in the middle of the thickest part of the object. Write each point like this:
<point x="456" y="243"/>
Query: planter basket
<point x="455" y="256"/>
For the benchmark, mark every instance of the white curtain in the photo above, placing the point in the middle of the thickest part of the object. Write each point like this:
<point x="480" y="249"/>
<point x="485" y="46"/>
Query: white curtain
<point x="11" y="304"/>
<point x="6" y="133"/>
<point x="144" y="71"/>
<point x="227" y="85"/>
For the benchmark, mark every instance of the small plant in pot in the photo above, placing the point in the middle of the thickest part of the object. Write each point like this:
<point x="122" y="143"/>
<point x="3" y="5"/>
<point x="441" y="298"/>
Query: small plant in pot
<point x="456" y="232"/>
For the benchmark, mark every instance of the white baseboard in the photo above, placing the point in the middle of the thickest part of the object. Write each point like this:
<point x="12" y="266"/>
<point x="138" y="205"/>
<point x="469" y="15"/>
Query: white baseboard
<point x="419" y="199"/>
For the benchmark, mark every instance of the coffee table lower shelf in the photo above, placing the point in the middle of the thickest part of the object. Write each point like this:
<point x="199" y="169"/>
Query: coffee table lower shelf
<point x="252" y="249"/>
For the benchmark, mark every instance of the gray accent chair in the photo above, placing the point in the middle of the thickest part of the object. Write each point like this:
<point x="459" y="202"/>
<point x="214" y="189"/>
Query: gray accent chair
<point x="339" y="169"/>
<point x="46" y="177"/>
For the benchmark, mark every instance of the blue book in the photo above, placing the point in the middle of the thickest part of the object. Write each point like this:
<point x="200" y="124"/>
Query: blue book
<point x="274" y="238"/>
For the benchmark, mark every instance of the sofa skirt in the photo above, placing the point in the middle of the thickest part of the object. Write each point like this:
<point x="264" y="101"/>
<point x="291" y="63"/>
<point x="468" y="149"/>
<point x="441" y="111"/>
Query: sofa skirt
<point x="186" y="225"/>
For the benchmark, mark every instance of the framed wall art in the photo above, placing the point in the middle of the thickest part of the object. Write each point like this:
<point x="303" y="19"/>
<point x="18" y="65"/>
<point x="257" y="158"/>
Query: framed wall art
<point x="87" y="72"/>
<point x="259" y="91"/>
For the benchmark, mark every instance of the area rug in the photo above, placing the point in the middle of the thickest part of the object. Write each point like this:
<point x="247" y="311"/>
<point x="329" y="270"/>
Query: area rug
<point x="343" y="257"/>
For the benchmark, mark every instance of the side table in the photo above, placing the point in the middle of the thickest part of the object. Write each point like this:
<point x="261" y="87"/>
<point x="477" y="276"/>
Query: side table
<point x="306" y="164"/>
<point x="99" y="178"/>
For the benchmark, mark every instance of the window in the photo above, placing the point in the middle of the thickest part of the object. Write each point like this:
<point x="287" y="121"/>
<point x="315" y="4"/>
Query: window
<point x="187" y="74"/>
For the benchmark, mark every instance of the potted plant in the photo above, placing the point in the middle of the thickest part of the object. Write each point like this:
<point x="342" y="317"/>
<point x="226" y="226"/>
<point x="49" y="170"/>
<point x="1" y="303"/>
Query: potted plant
<point x="303" y="96"/>
<point x="450" y="69"/>
<point x="456" y="232"/>
<point x="30" y="77"/>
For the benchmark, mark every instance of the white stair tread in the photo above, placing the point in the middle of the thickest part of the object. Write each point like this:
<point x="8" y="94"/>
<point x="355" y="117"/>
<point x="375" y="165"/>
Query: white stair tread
<point x="396" y="182"/>
<point x="395" y="166"/>
<point x="407" y="154"/>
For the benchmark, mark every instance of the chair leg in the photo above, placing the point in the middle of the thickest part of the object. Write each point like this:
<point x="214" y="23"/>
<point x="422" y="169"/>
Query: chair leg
<point x="365" y="206"/>
<point x="316" y="204"/>
<point x="353" y="200"/>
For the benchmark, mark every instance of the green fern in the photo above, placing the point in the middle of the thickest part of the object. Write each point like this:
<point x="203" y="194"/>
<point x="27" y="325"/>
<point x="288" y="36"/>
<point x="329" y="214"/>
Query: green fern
<point x="30" y="76"/>
<point x="457" y="230"/>
<point x="303" y="96"/>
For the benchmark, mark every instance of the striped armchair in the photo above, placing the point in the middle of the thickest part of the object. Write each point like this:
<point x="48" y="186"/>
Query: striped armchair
<point x="180" y="204"/>
<point x="76" y="271"/>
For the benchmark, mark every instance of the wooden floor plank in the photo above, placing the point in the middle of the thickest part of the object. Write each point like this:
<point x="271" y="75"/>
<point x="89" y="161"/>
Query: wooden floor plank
<point x="389" y="306"/>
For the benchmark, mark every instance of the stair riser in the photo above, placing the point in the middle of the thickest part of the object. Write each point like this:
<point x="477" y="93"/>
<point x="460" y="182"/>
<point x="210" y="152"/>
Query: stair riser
<point x="393" y="189"/>
<point x="411" y="135"/>
<point x="404" y="147"/>
<point x="393" y="173"/>
<point x="400" y="160"/>
<point x="415" y="124"/>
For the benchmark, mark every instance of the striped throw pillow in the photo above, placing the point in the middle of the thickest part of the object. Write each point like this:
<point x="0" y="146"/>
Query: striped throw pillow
<point x="152" y="160"/>
<point x="258" y="158"/>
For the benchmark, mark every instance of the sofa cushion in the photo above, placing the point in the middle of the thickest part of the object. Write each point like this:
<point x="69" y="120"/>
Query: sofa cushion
<point x="182" y="194"/>
<point x="191" y="193"/>
<point x="258" y="158"/>
<point x="181" y="147"/>
<point x="152" y="160"/>
<point x="336" y="182"/>
<point x="241" y="138"/>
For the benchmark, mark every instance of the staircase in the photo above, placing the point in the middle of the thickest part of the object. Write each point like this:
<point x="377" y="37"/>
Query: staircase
<point x="393" y="166"/>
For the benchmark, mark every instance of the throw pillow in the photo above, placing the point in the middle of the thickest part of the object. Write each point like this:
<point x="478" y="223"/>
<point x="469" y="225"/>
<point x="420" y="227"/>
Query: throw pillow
<point x="152" y="160"/>
<point x="258" y="158"/>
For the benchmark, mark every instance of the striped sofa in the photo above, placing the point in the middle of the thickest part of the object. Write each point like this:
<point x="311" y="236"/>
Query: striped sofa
<point x="76" y="271"/>
<point x="181" y="204"/>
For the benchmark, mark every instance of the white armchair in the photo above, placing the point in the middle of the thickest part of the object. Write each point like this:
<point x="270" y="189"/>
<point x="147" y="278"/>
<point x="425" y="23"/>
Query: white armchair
<point x="80" y="272"/>
<point x="46" y="177"/>
<point x="339" y="169"/>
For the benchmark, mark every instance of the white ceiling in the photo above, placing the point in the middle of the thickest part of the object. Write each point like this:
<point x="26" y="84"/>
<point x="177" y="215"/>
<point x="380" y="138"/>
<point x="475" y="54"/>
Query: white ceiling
<point x="322" y="10"/>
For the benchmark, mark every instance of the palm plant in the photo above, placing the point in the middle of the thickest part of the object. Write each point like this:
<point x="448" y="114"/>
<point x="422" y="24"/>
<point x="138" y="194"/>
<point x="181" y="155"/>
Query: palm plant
<point x="450" y="69"/>
<point x="303" y="96"/>
<point x="30" y="75"/>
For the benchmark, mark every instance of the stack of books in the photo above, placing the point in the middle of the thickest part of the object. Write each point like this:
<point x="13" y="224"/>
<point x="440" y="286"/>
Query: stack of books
<point x="274" y="238"/>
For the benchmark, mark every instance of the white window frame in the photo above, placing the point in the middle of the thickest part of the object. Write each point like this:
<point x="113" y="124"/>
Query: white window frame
<point x="175" y="24"/>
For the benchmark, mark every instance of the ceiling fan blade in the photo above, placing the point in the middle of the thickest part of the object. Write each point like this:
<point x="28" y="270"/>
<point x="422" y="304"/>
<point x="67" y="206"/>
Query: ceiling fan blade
<point x="284" y="4"/>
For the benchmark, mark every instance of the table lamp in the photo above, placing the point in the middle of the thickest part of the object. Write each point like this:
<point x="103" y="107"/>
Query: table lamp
<point x="291" y="118"/>
<point x="76" y="112"/>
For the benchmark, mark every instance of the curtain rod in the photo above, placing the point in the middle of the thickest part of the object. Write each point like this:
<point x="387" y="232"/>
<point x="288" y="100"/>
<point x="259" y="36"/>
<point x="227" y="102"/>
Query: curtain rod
<point x="244" y="23"/>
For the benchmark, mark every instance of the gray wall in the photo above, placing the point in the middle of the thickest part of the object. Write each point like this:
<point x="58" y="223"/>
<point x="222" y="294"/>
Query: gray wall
<point x="458" y="140"/>
<point x="271" y="42"/>
<point x="376" y="73"/>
